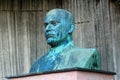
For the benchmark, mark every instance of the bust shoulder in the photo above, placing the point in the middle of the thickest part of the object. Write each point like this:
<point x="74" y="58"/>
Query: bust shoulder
<point x="82" y="58"/>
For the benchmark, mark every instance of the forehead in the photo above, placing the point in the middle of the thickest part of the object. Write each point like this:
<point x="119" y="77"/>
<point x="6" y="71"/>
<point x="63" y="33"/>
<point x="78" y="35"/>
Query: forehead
<point x="55" y="15"/>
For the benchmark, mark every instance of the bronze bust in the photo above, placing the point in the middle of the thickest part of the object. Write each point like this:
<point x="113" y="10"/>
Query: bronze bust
<point x="64" y="54"/>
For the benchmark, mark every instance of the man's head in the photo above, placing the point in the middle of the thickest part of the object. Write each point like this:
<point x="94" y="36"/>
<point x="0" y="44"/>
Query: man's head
<point x="59" y="25"/>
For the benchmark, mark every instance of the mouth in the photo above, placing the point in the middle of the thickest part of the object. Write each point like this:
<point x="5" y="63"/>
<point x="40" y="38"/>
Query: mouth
<point x="49" y="35"/>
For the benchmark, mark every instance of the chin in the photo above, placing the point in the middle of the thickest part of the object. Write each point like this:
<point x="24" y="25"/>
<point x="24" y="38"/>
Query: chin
<point x="52" y="42"/>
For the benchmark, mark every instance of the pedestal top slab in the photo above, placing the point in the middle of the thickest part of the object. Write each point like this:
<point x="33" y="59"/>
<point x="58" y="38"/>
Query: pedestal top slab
<point x="64" y="71"/>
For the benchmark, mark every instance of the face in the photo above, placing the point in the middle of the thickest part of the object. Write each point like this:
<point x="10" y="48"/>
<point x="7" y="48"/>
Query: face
<point x="56" y="28"/>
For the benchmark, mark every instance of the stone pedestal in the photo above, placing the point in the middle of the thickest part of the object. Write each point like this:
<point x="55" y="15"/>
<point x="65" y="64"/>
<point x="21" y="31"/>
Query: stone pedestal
<point x="67" y="74"/>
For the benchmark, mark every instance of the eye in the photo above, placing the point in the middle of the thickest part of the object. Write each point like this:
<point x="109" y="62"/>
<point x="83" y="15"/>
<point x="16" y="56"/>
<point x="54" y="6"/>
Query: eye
<point x="54" y="23"/>
<point x="45" y="24"/>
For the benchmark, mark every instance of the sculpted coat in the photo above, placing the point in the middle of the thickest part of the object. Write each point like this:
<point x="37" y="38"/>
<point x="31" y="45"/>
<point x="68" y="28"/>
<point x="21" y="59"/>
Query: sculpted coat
<point x="70" y="57"/>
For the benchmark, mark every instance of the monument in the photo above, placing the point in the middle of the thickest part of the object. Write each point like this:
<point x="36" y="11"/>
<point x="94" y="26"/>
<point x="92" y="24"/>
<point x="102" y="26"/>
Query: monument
<point x="64" y="60"/>
<point x="63" y="54"/>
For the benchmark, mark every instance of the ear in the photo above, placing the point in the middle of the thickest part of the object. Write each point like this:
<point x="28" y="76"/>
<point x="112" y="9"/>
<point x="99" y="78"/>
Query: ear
<point x="71" y="28"/>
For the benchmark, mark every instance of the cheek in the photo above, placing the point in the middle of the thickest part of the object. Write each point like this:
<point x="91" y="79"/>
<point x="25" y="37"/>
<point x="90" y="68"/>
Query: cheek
<point x="61" y="34"/>
<point x="61" y="31"/>
<point x="58" y="34"/>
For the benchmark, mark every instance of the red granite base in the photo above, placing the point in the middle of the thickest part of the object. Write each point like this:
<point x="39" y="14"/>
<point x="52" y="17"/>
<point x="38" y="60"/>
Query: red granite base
<point x="71" y="75"/>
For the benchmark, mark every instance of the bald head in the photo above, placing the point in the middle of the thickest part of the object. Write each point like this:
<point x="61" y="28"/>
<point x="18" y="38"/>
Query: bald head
<point x="61" y="14"/>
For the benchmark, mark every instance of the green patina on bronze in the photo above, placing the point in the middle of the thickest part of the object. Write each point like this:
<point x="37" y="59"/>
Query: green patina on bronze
<point x="59" y="25"/>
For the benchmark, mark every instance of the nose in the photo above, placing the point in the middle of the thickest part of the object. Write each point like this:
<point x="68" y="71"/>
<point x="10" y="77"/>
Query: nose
<point x="48" y="27"/>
